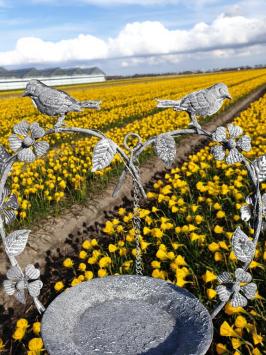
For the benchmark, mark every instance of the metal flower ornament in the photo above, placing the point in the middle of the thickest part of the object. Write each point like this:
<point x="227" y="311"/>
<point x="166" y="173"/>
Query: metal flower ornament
<point x="28" y="143"/>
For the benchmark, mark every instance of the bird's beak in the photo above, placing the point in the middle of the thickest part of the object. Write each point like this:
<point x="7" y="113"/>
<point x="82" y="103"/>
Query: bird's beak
<point x="24" y="94"/>
<point x="229" y="97"/>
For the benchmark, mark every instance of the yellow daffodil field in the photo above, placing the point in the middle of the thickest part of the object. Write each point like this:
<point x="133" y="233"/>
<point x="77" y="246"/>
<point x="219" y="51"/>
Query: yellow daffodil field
<point x="126" y="107"/>
<point x="187" y="221"/>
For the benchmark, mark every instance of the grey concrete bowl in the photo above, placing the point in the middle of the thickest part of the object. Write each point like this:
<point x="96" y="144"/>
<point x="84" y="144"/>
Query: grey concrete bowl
<point x="126" y="315"/>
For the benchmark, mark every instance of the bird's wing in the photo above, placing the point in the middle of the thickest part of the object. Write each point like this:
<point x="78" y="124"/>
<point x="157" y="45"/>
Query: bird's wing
<point x="196" y="102"/>
<point x="57" y="99"/>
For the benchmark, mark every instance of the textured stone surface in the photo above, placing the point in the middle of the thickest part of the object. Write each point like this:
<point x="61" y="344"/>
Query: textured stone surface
<point x="126" y="315"/>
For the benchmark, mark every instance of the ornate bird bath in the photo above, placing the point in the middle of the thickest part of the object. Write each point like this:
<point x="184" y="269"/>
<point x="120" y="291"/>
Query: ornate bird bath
<point x="131" y="314"/>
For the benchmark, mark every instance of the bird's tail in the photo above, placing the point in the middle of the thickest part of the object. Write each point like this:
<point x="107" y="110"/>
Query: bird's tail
<point x="90" y="104"/>
<point x="168" y="103"/>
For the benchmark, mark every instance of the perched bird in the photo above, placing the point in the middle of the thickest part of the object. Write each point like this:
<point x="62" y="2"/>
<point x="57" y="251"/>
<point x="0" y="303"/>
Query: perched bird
<point x="53" y="102"/>
<point x="204" y="102"/>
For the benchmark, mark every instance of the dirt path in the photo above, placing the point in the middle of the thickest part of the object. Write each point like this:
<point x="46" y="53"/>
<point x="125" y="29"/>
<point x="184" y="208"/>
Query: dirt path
<point x="52" y="233"/>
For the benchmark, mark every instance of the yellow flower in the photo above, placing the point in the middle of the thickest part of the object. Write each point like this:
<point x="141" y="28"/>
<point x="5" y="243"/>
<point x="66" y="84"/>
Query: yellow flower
<point x="68" y="262"/>
<point x="121" y="211"/>
<point x="213" y="247"/>
<point x="198" y="219"/>
<point x="177" y="245"/>
<point x="209" y="276"/>
<point x="19" y="333"/>
<point x="58" y="286"/>
<point x="36" y="327"/>
<point x="92" y="260"/>
<point x="94" y="242"/>
<point x="2" y="345"/>
<point x="211" y="293"/>
<point x="226" y="330"/>
<point x="221" y="348"/>
<point x="220" y="214"/>
<point x="162" y="255"/>
<point x="82" y="254"/>
<point x="102" y="272"/>
<point x="255" y="264"/>
<point x="155" y="264"/>
<point x="105" y="261"/>
<point x="88" y="275"/>
<point x="240" y="322"/>
<point x="82" y="266"/>
<point x="75" y="281"/>
<point x="236" y="343"/>
<point x="229" y="309"/>
<point x="218" y="229"/>
<point x="232" y="256"/>
<point x="257" y="339"/>
<point x="180" y="260"/>
<point x="109" y="228"/>
<point x="86" y="244"/>
<point x="218" y="256"/>
<point x="22" y="323"/>
<point x="223" y="245"/>
<point x="157" y="233"/>
<point x="256" y="352"/>
<point x="146" y="230"/>
<point x="112" y="248"/>
<point x="35" y="344"/>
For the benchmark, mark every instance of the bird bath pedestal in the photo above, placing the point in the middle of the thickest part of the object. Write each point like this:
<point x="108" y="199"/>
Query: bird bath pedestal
<point x="126" y="315"/>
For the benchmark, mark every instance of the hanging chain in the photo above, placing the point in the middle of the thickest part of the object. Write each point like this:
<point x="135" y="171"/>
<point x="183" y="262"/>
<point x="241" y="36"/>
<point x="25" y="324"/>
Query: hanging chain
<point x="137" y="224"/>
<point x="136" y="221"/>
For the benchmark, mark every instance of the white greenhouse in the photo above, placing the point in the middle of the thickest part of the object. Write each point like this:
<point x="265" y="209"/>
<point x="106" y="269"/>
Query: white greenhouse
<point x="18" y="79"/>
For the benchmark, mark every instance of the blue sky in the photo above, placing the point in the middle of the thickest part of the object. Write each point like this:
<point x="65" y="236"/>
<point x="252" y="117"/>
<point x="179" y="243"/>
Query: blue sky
<point x="132" y="36"/>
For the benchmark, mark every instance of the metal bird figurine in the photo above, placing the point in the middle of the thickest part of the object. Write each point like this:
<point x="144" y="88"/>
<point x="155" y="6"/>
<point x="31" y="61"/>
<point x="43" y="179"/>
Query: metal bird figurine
<point x="53" y="102"/>
<point x="204" y="102"/>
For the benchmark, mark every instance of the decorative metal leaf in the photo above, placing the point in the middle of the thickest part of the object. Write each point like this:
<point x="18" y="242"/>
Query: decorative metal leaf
<point x="219" y="135"/>
<point x="14" y="273"/>
<point x="15" y="142"/>
<point x="234" y="156"/>
<point x="103" y="154"/>
<point x="245" y="213"/>
<point x="242" y="246"/>
<point x="36" y="130"/>
<point x="165" y="148"/>
<point x="218" y="152"/>
<point x="238" y="300"/>
<point x="223" y="293"/>
<point x="21" y="128"/>
<point x="3" y="157"/>
<point x="31" y="272"/>
<point x="242" y="276"/>
<point x="260" y="166"/>
<point x="20" y="296"/>
<point x="34" y="288"/>
<point x="225" y="277"/>
<point x="234" y="130"/>
<point x="9" y="287"/>
<point x="26" y="155"/>
<point x="249" y="290"/>
<point x="41" y="148"/>
<point x="16" y="242"/>
<point x="244" y="143"/>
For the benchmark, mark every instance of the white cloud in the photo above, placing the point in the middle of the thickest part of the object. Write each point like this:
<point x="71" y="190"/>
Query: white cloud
<point x="147" y="39"/>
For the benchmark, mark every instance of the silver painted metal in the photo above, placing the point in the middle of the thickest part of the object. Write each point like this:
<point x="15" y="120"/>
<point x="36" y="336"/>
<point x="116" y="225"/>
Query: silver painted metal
<point x="231" y="144"/>
<point x="204" y="102"/>
<point x="126" y="315"/>
<point x="53" y="102"/>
